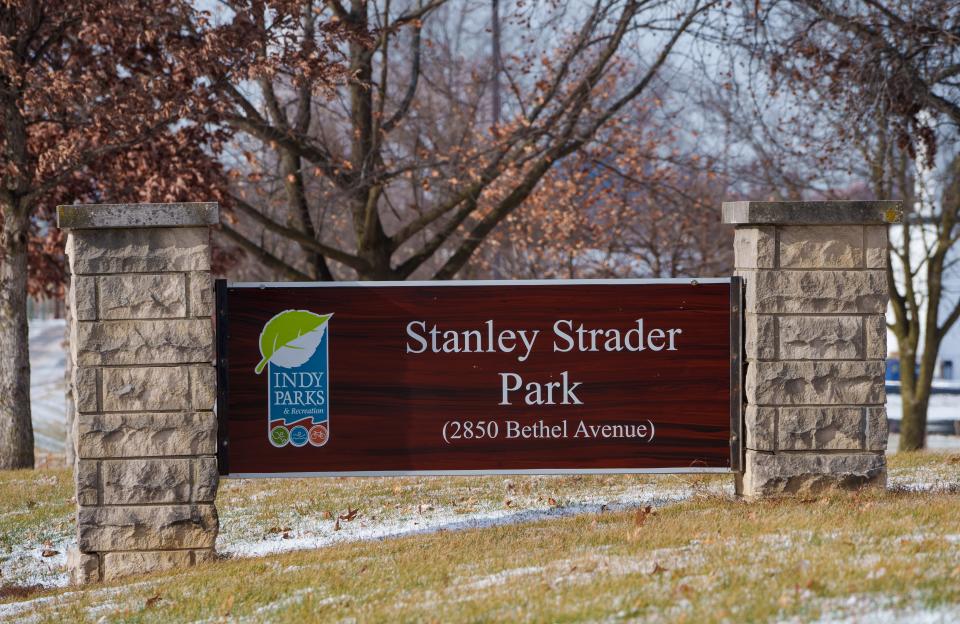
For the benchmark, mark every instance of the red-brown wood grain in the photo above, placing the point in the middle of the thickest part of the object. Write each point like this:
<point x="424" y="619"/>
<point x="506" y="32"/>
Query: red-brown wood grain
<point x="388" y="407"/>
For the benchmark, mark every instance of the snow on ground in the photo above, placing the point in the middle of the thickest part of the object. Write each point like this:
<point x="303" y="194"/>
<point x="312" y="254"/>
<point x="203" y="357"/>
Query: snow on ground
<point x="934" y="442"/>
<point x="48" y="360"/>
<point x="879" y="609"/>
<point x="241" y="537"/>
<point x="26" y="565"/>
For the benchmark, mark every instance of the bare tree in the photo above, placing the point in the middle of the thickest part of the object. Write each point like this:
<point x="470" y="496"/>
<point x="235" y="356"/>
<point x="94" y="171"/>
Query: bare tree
<point x="92" y="98"/>
<point x="397" y="173"/>
<point x="888" y="70"/>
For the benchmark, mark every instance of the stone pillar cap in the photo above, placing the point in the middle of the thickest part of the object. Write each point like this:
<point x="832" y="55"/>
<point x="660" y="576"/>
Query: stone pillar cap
<point x="106" y="216"/>
<point x="813" y="213"/>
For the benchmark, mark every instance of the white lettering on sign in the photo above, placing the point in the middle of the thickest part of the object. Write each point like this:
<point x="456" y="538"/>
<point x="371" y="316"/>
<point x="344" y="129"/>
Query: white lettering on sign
<point x="539" y="393"/>
<point x="488" y="340"/>
<point x="568" y="336"/>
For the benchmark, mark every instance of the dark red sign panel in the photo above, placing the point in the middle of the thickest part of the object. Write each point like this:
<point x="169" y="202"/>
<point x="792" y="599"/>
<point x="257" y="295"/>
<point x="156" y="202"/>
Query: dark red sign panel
<point x="488" y="377"/>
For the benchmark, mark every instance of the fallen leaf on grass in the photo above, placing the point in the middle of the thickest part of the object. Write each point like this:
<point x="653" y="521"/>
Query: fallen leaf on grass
<point x="552" y="501"/>
<point x="47" y="552"/>
<point x="152" y="601"/>
<point x="658" y="569"/>
<point x="642" y="514"/>
<point x="350" y="515"/>
<point x="326" y="515"/>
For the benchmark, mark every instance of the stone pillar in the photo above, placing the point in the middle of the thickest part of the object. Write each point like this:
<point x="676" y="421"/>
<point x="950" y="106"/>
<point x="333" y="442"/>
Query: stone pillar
<point x="815" y="342"/>
<point x="142" y="352"/>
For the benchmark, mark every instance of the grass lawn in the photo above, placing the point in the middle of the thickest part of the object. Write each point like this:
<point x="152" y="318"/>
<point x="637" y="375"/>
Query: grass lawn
<point x="699" y="556"/>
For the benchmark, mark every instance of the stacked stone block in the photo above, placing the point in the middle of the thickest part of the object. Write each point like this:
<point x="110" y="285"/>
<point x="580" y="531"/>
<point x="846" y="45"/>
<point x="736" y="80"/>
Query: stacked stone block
<point x="815" y="342"/>
<point x="142" y="352"/>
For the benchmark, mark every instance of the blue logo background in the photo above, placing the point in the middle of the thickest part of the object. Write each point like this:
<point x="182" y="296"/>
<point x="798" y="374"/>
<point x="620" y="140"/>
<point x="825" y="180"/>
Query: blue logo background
<point x="284" y="413"/>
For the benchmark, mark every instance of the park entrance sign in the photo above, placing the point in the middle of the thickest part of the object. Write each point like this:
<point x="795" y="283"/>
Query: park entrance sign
<point x="380" y="378"/>
<point x="468" y="377"/>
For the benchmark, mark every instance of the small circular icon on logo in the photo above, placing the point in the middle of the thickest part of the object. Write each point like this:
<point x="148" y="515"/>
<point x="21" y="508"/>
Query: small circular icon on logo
<point x="318" y="435"/>
<point x="298" y="436"/>
<point x="279" y="436"/>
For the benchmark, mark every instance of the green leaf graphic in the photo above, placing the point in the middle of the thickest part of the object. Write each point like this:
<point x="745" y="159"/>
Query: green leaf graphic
<point x="284" y="328"/>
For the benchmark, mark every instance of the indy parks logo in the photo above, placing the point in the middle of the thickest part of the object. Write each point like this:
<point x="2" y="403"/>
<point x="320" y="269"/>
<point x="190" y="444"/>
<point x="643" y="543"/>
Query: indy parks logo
<point x="293" y="345"/>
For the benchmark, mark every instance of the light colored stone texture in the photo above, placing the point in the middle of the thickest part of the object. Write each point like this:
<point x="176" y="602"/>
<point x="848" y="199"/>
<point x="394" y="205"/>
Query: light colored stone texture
<point x="875" y="327"/>
<point x="821" y="246"/>
<point x="205" y="480"/>
<point x="203" y="386"/>
<point x="147" y="435"/>
<point x="816" y="383"/>
<point x="83" y="297"/>
<point x="761" y="426"/>
<point x="819" y="292"/>
<point x="135" y="481"/>
<point x="139" y="251"/>
<point x="119" y="564"/>
<point x="876" y="246"/>
<point x="760" y="337"/>
<point x="145" y="389"/>
<point x="142" y="296"/>
<point x="811" y="473"/>
<point x="812" y="212"/>
<point x="152" y="527"/>
<point x="94" y="216"/>
<point x="174" y="341"/>
<point x="85" y="389"/>
<point x="878" y="429"/>
<point x="201" y="294"/>
<point x="820" y="337"/>
<point x="83" y="567"/>
<point x="755" y="247"/>
<point x="87" y="477"/>
<point x="820" y="428"/>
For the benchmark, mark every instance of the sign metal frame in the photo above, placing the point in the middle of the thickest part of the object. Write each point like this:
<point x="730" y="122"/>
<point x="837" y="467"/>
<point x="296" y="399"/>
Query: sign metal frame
<point x="222" y="327"/>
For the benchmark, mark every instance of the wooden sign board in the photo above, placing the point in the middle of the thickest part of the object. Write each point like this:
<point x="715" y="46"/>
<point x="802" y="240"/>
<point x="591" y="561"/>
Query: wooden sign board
<point x="485" y="377"/>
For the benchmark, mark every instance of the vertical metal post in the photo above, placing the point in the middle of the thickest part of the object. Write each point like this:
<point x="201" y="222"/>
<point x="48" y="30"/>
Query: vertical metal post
<point x="223" y="333"/>
<point x="736" y="374"/>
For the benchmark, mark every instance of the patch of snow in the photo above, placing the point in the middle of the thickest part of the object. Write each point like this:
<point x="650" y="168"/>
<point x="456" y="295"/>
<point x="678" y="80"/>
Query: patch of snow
<point x="48" y="360"/>
<point x="498" y="578"/>
<point x="879" y="609"/>
<point x="26" y="566"/>
<point x="942" y="406"/>
<point x="20" y="612"/>
<point x="935" y="442"/>
<point x="316" y="533"/>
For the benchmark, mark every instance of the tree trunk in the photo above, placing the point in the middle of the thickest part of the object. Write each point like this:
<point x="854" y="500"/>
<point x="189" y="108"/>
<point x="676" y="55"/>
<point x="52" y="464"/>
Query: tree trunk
<point x="16" y="427"/>
<point x="913" y="426"/>
<point x="497" y="60"/>
<point x="914" y="396"/>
